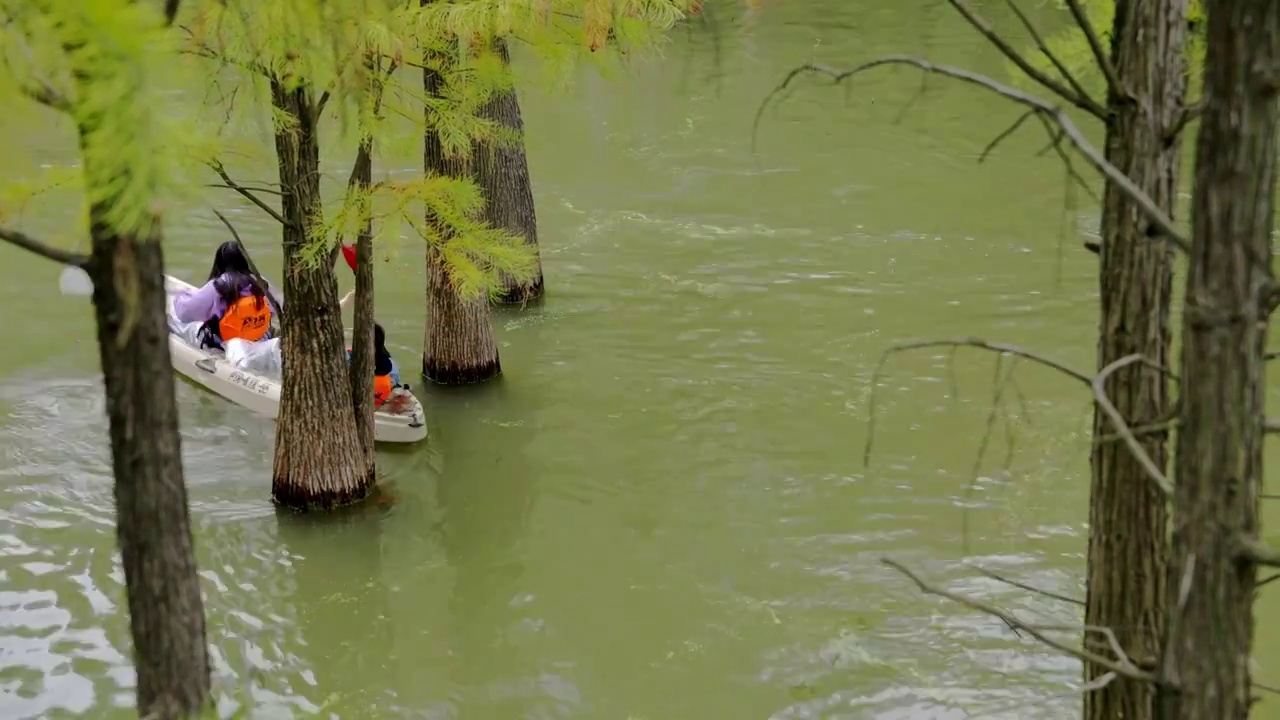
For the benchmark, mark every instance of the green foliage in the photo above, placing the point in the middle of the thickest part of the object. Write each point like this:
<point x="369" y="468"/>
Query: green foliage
<point x="90" y="59"/>
<point x="345" y="50"/>
<point x="1072" y="48"/>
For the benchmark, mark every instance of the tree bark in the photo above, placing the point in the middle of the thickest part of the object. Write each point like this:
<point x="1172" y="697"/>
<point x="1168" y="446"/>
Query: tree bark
<point x="459" y="346"/>
<point x="502" y="171"/>
<point x="1128" y="545"/>
<point x="319" y="459"/>
<point x="1210" y="586"/>
<point x="153" y="526"/>
<point x="362" y="323"/>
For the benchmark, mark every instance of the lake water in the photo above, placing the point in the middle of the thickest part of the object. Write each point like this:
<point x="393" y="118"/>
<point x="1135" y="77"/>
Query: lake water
<point x="661" y="510"/>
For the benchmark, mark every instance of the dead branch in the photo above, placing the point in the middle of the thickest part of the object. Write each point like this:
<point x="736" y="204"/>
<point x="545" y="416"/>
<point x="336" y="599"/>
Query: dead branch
<point x="1188" y="114"/>
<point x="1052" y="112"/>
<point x="1075" y="96"/>
<point x="1158" y="428"/>
<point x="1093" y="685"/>
<point x="1122" y="666"/>
<point x="1002" y="136"/>
<point x="1028" y="588"/>
<point x="1056" y="145"/>
<point x="269" y="191"/>
<point x="1265" y="581"/>
<point x="170" y="11"/>
<point x="44" y="250"/>
<point x="1043" y="47"/>
<point x="1270" y="426"/>
<point x="1265" y="688"/>
<point x="1255" y="551"/>
<point x="1122" y="427"/>
<point x="1099" y="53"/>
<point x="973" y="342"/>
<point x="217" y="167"/>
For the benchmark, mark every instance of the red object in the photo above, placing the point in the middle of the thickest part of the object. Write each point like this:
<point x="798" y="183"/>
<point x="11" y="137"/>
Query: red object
<point x="349" y="252"/>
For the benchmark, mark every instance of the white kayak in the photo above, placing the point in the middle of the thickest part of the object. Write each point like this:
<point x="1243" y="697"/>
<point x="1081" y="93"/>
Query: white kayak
<point x="399" y="420"/>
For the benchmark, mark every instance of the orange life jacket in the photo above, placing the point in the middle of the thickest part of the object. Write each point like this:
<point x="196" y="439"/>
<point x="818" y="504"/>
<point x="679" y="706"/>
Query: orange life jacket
<point x="381" y="389"/>
<point x="248" y="318"/>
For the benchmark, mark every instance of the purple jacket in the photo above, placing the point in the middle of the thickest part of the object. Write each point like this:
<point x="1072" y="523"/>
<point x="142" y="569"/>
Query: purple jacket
<point x="204" y="303"/>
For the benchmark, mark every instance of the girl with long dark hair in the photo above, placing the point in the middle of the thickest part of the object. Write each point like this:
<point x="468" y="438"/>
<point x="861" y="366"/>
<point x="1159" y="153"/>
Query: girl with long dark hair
<point x="234" y="303"/>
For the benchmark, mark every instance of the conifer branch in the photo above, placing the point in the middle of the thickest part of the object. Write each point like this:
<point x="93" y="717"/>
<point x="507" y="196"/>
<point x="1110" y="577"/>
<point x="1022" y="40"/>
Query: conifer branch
<point x="1053" y="113"/>
<point x="35" y="89"/>
<point x="43" y="249"/>
<point x="1075" y="96"/>
<point x="1121" y="666"/>
<point x="217" y="167"/>
<point x="1122" y="427"/>
<point x="1099" y="52"/>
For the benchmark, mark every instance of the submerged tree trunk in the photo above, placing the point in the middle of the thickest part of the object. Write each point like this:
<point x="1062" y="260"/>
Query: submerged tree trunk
<point x="459" y="346"/>
<point x="502" y="171"/>
<point x="166" y="611"/>
<point x="362" y="322"/>
<point x="319" y="460"/>
<point x="1128" y="545"/>
<point x="1210" y="584"/>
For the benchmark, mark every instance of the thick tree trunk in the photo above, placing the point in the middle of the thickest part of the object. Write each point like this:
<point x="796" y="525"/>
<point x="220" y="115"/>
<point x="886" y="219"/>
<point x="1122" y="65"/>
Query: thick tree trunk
<point x="319" y="460"/>
<point x="362" y="323"/>
<point x="165" y="608"/>
<point x="459" y="346"/>
<point x="1128" y="545"/>
<point x="1210" y="585"/>
<point x="502" y="171"/>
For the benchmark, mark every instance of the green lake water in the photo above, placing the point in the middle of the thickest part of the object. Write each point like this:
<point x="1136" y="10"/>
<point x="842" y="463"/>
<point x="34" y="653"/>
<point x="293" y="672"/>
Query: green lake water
<point x="661" y="510"/>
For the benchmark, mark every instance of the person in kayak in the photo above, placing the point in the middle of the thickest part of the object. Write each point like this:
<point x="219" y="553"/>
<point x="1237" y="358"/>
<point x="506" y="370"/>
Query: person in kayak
<point x="234" y="303"/>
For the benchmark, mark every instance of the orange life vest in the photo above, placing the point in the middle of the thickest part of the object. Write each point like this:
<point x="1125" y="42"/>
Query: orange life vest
<point x="381" y="389"/>
<point x="248" y="318"/>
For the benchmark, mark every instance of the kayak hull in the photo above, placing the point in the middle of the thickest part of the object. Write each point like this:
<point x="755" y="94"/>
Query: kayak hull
<point x="400" y="420"/>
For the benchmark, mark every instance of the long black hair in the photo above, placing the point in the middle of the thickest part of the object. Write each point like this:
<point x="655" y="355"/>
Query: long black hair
<point x="231" y="274"/>
<point x="381" y="358"/>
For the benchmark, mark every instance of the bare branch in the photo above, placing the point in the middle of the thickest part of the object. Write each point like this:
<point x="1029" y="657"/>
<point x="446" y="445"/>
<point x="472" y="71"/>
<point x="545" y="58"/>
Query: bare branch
<point x="1270" y="426"/>
<point x="1255" y="551"/>
<point x="1099" y="53"/>
<point x="1028" y="588"/>
<point x="1122" y="667"/>
<point x="1076" y="97"/>
<point x="269" y="191"/>
<point x="1044" y="49"/>
<point x="1265" y="688"/>
<point x="1002" y="136"/>
<point x="1157" y="428"/>
<point x="973" y="342"/>
<point x="1122" y="427"/>
<point x="1157" y="216"/>
<point x="44" y="250"/>
<point x="170" y="11"/>
<point x="1093" y="685"/>
<point x="1056" y="145"/>
<point x="1265" y="581"/>
<point x="217" y="167"/>
<point x="1188" y="114"/>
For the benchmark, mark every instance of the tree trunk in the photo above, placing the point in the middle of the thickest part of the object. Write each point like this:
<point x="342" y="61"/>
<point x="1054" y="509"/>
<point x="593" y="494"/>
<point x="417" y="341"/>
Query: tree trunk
<point x="1210" y="584"/>
<point x="362" y="322"/>
<point x="166" y="611"/>
<point x="319" y="460"/>
<point x="502" y="171"/>
<point x="1128" y="545"/>
<point x="459" y="346"/>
